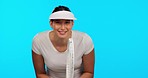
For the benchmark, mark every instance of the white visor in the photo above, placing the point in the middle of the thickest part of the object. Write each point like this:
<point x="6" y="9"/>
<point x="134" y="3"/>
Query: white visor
<point x="62" y="15"/>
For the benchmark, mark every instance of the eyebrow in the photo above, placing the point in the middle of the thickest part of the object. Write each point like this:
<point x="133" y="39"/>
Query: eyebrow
<point x="60" y="20"/>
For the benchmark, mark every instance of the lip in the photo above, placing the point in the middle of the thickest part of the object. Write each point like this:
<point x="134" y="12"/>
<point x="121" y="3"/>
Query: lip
<point x="62" y="32"/>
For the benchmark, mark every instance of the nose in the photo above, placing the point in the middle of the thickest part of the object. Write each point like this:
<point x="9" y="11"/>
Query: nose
<point x="63" y="26"/>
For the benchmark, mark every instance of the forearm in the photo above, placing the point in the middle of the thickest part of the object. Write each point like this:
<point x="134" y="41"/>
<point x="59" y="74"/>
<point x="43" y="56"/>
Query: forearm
<point x="87" y="75"/>
<point x="43" y="76"/>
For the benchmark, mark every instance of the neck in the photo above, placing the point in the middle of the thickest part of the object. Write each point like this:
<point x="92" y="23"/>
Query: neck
<point x="60" y="41"/>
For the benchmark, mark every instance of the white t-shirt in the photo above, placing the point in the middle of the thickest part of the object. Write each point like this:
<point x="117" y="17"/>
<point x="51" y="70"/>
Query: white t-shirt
<point x="56" y="61"/>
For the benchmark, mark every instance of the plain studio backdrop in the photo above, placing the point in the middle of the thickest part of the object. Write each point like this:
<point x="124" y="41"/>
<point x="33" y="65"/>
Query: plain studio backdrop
<point x="119" y="29"/>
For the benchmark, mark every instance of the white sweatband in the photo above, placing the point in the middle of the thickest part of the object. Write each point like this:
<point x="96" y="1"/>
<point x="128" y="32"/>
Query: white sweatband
<point x="62" y="15"/>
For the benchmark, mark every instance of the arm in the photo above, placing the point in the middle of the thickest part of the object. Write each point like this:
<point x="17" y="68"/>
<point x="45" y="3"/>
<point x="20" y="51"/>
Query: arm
<point x="88" y="62"/>
<point x="39" y="65"/>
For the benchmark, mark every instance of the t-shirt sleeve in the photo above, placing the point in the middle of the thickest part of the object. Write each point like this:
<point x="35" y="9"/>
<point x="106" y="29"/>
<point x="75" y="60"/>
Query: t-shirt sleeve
<point x="36" y="45"/>
<point x="88" y="44"/>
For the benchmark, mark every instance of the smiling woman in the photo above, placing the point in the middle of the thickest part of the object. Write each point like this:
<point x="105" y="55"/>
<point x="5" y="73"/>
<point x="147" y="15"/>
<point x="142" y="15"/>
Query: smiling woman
<point x="65" y="52"/>
<point x="62" y="27"/>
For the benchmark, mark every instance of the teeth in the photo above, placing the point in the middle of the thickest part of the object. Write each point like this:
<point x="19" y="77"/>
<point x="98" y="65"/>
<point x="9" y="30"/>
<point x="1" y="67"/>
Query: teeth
<point x="62" y="32"/>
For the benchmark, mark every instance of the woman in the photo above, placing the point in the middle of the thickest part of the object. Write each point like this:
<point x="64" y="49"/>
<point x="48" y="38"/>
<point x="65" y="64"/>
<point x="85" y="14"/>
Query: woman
<point x="50" y="48"/>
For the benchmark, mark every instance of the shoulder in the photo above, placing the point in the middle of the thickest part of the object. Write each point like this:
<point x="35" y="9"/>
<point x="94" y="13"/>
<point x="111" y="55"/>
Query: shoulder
<point x="41" y="35"/>
<point x="79" y="34"/>
<point x="84" y="40"/>
<point x="82" y="37"/>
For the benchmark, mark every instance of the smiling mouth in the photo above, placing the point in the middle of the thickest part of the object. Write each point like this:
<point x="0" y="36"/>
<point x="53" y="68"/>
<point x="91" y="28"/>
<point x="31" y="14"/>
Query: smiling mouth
<point x="62" y="32"/>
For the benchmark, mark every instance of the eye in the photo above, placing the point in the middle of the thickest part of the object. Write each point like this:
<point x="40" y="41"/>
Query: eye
<point x="67" y="22"/>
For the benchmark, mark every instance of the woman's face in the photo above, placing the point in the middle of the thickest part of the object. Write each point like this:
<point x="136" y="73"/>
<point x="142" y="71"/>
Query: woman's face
<point x="62" y="28"/>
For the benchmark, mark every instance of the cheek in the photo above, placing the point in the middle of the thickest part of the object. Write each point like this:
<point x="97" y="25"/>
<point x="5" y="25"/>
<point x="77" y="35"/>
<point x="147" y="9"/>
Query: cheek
<point x="55" y="27"/>
<point x="70" y="27"/>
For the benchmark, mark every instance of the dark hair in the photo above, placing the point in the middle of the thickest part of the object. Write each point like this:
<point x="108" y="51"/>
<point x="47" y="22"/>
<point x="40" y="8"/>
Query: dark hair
<point x="61" y="8"/>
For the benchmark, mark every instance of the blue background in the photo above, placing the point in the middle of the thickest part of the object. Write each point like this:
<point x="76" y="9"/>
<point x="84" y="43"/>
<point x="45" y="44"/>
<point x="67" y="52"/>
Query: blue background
<point x="119" y="29"/>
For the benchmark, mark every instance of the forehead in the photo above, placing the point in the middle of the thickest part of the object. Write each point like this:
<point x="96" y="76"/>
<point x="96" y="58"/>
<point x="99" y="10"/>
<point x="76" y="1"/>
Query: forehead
<point x="62" y="20"/>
